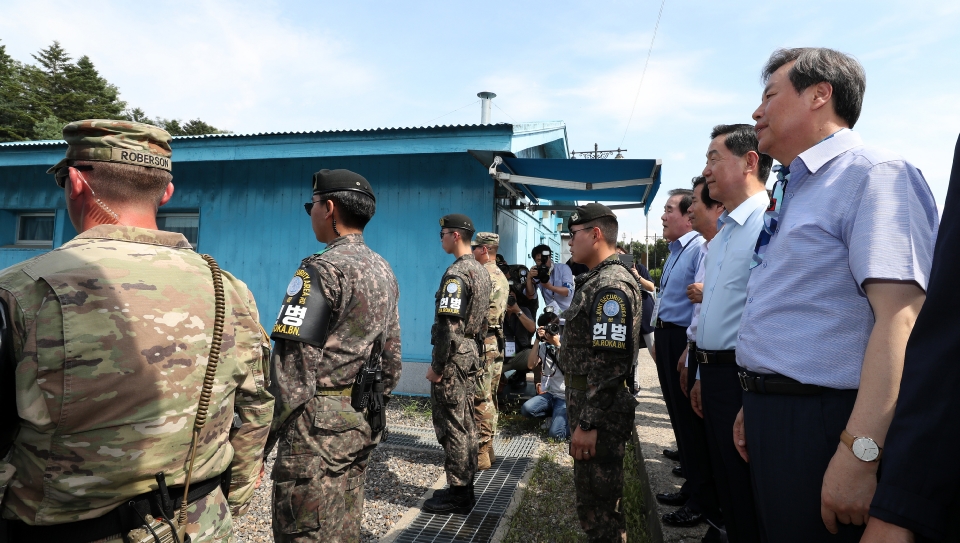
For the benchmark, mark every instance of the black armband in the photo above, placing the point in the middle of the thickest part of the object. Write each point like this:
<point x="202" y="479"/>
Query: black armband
<point x="305" y="313"/>
<point x="612" y="321"/>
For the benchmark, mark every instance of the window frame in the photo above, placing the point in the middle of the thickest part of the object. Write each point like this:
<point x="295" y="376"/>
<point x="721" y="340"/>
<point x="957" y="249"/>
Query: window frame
<point x="177" y="214"/>
<point x="35" y="244"/>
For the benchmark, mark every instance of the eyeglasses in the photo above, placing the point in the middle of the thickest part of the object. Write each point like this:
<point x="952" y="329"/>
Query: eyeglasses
<point x="574" y="232"/>
<point x="445" y="233"/>
<point x="63" y="173"/>
<point x="308" y="206"/>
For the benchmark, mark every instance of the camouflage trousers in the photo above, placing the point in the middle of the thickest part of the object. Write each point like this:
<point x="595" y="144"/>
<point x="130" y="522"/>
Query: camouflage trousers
<point x="483" y="400"/>
<point x="319" y="473"/>
<point x="598" y="482"/>
<point x="208" y="521"/>
<point x="454" y="423"/>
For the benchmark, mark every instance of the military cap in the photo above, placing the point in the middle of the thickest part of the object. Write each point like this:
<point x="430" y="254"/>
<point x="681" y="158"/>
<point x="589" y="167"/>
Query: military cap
<point x="326" y="181"/>
<point x="457" y="220"/>
<point x="124" y="142"/>
<point x="590" y="212"/>
<point x="486" y="238"/>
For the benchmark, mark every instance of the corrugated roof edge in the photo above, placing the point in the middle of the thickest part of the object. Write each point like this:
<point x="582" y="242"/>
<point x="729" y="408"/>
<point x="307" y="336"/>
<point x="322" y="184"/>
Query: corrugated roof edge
<point x="520" y="126"/>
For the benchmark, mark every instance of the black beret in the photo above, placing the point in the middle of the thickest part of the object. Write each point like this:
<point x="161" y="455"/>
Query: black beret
<point x="590" y="212"/>
<point x="457" y="220"/>
<point x="326" y="181"/>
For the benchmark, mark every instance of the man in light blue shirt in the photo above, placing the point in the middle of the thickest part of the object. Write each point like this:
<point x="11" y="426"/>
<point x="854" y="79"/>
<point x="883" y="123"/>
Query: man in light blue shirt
<point x="673" y="311"/>
<point x="839" y="277"/>
<point x="735" y="173"/>
<point x="557" y="287"/>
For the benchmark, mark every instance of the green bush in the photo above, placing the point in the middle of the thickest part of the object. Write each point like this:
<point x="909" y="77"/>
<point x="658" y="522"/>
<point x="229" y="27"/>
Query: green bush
<point x="655" y="274"/>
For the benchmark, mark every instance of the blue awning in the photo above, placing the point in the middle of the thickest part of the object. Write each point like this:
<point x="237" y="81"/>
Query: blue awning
<point x="633" y="182"/>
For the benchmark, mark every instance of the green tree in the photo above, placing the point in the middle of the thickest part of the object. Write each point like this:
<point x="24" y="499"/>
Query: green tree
<point x="50" y="128"/>
<point x="91" y="96"/>
<point x="15" y="121"/>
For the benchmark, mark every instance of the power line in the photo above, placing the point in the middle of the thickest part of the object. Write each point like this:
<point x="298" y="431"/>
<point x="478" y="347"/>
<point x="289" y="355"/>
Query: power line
<point x="454" y="111"/>
<point x="504" y="112"/>
<point x="655" y="28"/>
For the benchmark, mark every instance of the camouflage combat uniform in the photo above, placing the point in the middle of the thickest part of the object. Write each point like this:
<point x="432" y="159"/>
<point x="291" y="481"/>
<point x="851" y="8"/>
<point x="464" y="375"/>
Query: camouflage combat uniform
<point x="598" y="346"/>
<point x="111" y="335"/>
<point x="461" y="316"/>
<point x="486" y="410"/>
<point x="324" y="444"/>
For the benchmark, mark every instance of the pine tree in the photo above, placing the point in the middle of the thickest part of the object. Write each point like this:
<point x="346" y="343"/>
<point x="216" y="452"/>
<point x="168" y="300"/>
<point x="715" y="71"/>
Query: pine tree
<point x="15" y="122"/>
<point x="92" y="97"/>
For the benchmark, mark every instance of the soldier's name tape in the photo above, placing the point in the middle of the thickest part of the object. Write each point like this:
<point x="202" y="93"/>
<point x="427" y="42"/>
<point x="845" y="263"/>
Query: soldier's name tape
<point x="138" y="158"/>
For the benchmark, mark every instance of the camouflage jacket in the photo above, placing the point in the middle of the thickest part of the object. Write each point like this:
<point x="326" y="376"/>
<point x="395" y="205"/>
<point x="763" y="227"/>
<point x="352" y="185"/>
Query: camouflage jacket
<point x="111" y="333"/>
<point x="601" y="334"/>
<point x="498" y="295"/>
<point x="462" y="305"/>
<point x="362" y="292"/>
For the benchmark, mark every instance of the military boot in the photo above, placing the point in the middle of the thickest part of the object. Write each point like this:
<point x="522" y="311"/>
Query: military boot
<point x="484" y="454"/>
<point x="444" y="491"/>
<point x="490" y="453"/>
<point x="457" y="501"/>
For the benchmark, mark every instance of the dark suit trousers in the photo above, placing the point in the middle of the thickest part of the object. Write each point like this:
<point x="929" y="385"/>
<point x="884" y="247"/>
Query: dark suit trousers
<point x="791" y="440"/>
<point x="688" y="427"/>
<point x="722" y="399"/>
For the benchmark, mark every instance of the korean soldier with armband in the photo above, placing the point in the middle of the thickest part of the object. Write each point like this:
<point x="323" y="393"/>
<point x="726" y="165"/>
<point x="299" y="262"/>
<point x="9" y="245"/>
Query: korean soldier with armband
<point x="337" y="355"/>
<point x="597" y="349"/>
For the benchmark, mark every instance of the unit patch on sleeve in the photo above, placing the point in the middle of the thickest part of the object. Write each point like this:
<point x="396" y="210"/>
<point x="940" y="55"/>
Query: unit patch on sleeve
<point x="453" y="297"/>
<point x="612" y="321"/>
<point x="305" y="313"/>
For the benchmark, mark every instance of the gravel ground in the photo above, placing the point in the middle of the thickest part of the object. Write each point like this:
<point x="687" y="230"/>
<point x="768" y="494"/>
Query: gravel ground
<point x="396" y="479"/>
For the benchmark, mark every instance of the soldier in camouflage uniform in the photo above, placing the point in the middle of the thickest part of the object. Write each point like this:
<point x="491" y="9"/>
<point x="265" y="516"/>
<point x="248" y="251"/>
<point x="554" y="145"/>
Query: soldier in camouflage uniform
<point x="339" y="314"/>
<point x="457" y="336"/>
<point x="485" y="251"/>
<point x="111" y="334"/>
<point x="598" y="346"/>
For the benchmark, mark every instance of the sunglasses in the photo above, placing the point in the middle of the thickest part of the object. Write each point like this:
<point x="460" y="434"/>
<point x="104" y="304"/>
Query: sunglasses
<point x="308" y="206"/>
<point x="63" y="173"/>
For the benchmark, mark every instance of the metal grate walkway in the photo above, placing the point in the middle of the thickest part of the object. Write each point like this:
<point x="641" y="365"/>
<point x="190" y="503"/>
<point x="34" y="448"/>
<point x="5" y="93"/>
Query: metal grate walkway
<point x="494" y="489"/>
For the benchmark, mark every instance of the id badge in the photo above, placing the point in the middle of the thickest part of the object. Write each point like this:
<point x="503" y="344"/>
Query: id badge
<point x="656" y="308"/>
<point x="510" y="349"/>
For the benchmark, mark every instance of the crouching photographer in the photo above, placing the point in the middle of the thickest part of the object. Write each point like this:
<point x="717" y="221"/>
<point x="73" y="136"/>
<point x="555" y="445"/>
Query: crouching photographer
<point x="550" y="400"/>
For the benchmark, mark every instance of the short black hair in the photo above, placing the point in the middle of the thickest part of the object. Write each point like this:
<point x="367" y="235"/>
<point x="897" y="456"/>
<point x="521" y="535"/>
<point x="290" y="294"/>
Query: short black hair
<point x="685" y="200"/>
<point x="819" y="64"/>
<point x="609" y="229"/>
<point x="740" y="140"/>
<point x="355" y="208"/>
<point x="539" y="249"/>
<point x="705" y="193"/>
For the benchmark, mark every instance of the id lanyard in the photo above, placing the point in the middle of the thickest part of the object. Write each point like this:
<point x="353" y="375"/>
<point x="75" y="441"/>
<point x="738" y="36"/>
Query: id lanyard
<point x="663" y="284"/>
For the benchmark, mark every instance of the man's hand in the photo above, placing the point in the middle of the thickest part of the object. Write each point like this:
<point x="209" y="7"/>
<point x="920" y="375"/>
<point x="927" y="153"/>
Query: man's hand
<point x="683" y="382"/>
<point x="695" y="292"/>
<point x="515" y="309"/>
<point x="696" y="402"/>
<point x="740" y="436"/>
<point x="432" y="375"/>
<point x="879" y="531"/>
<point x="848" y="487"/>
<point x="583" y="446"/>
<point x="539" y="389"/>
<point x="263" y="469"/>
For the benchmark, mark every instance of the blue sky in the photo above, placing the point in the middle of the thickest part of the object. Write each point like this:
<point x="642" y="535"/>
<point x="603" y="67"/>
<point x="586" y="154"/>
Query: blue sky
<point x="283" y="66"/>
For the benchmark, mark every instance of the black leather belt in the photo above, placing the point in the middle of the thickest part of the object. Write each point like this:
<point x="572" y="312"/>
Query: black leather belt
<point x="717" y="358"/>
<point x="665" y="324"/>
<point x="776" y="384"/>
<point x="118" y="521"/>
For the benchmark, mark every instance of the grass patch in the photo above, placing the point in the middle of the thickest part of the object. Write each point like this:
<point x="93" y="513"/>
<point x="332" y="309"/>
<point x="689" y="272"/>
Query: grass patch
<point x="634" y="508"/>
<point x="547" y="511"/>
<point x="412" y="406"/>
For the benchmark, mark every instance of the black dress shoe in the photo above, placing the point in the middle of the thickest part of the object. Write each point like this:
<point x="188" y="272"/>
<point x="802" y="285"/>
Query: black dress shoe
<point x="457" y="501"/>
<point x="678" y="471"/>
<point x="673" y="498"/>
<point x="683" y="517"/>
<point x="672" y="454"/>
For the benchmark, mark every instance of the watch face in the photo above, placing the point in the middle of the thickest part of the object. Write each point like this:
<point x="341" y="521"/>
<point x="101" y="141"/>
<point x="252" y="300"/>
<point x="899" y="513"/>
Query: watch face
<point x="866" y="449"/>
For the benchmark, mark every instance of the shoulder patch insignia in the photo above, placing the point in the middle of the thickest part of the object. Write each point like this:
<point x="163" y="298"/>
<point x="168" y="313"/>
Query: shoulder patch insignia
<point x="453" y="298"/>
<point x="612" y="321"/>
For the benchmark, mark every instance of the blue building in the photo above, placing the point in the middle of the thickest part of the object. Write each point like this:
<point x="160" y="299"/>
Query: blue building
<point x="240" y="198"/>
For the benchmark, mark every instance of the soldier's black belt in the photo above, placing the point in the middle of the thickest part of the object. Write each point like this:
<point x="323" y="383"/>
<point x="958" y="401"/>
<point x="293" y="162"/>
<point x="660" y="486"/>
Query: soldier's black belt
<point x="579" y="382"/>
<point x="665" y="324"/>
<point x="717" y="358"/>
<point x="335" y="391"/>
<point x="776" y="384"/>
<point x="118" y="521"/>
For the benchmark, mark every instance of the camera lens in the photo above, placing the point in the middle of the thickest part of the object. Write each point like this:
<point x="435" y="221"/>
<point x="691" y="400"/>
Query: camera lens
<point x="553" y="329"/>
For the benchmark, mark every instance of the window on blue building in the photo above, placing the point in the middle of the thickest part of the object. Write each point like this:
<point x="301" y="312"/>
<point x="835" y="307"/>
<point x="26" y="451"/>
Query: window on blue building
<point x="35" y="229"/>
<point x="187" y="224"/>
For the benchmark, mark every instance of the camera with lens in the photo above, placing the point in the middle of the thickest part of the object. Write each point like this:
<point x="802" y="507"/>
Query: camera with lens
<point x="553" y="328"/>
<point x="511" y="300"/>
<point x="543" y="273"/>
